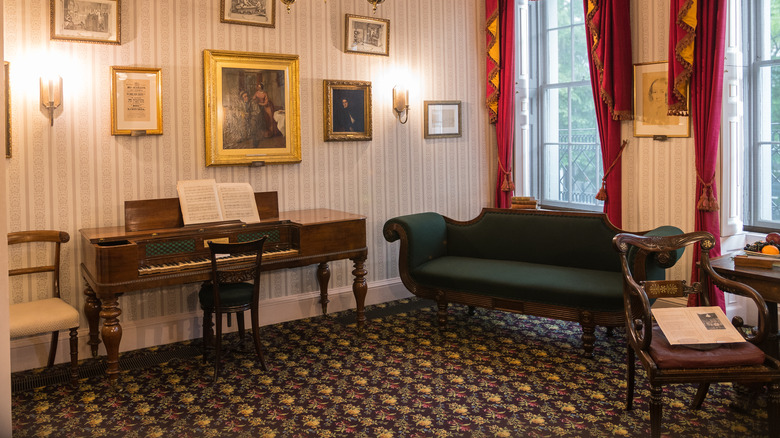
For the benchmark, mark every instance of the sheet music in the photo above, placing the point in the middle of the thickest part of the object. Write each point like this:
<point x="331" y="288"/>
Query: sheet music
<point x="696" y="325"/>
<point x="238" y="202"/>
<point x="199" y="201"/>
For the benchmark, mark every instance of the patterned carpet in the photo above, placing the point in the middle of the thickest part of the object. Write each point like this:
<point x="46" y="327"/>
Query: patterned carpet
<point x="491" y="374"/>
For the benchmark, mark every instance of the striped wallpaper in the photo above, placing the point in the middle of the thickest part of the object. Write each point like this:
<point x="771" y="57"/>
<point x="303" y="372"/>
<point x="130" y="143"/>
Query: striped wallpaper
<point x="76" y="175"/>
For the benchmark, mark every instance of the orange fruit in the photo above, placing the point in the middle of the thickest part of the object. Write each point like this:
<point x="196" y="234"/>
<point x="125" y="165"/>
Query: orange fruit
<point x="770" y="249"/>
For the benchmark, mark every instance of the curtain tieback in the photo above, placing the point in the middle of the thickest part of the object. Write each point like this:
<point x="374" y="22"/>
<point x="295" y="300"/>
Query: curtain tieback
<point x="707" y="200"/>
<point x="602" y="194"/>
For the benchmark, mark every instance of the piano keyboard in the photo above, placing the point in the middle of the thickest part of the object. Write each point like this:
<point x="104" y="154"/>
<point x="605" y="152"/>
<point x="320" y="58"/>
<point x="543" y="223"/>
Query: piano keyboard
<point x="204" y="262"/>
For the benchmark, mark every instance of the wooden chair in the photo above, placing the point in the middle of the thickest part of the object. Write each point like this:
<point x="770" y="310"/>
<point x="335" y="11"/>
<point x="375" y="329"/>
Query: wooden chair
<point x="47" y="314"/>
<point x="229" y="291"/>
<point x="742" y="363"/>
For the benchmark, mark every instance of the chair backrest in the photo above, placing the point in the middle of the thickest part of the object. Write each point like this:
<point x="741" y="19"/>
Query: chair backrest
<point x="637" y="293"/>
<point x="243" y="270"/>
<point x="41" y="236"/>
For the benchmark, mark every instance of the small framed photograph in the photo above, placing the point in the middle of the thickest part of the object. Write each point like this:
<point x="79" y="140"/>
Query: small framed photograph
<point x="442" y="119"/>
<point x="86" y="21"/>
<point x="347" y="111"/>
<point x="136" y="101"/>
<point x="650" y="104"/>
<point x="7" y="110"/>
<point x="249" y="12"/>
<point x="367" y="35"/>
<point x="252" y="108"/>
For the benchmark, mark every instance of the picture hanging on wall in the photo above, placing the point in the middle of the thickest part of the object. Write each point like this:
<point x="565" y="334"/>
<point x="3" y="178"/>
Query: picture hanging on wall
<point x="7" y="110"/>
<point x="252" y="108"/>
<point x="250" y="12"/>
<point x="347" y="111"/>
<point x="367" y="35"/>
<point x="442" y="119"/>
<point x="650" y="104"/>
<point x="86" y="21"/>
<point x="136" y="101"/>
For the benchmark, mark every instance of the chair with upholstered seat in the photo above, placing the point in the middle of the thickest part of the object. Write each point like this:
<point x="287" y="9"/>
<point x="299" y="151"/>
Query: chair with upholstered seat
<point x="234" y="288"/>
<point x="44" y="315"/>
<point x="739" y="362"/>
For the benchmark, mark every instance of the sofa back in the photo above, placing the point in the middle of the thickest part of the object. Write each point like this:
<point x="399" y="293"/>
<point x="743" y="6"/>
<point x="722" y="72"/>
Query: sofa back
<point x="574" y="239"/>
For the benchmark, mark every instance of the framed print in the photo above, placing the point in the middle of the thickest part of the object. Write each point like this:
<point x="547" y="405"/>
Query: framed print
<point x="136" y="101"/>
<point x="250" y="12"/>
<point x="650" y="104"/>
<point x="442" y="118"/>
<point x="7" y="110"/>
<point x="347" y="112"/>
<point x="87" y="21"/>
<point x="252" y="108"/>
<point x="367" y="35"/>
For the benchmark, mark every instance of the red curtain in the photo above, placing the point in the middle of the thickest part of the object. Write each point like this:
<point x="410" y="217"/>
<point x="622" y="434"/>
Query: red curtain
<point x="682" y="31"/>
<point x="706" y="98"/>
<point x="611" y="77"/>
<point x="501" y="91"/>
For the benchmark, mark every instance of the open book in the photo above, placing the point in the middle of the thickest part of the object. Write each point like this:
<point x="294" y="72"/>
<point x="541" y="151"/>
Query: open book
<point x="696" y="325"/>
<point x="204" y="200"/>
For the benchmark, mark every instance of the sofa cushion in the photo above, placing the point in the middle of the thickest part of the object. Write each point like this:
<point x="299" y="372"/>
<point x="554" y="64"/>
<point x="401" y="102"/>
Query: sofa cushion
<point x="585" y="289"/>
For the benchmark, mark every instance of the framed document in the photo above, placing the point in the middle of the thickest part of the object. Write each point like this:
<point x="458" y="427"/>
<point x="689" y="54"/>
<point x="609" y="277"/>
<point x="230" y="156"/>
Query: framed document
<point x="136" y="101"/>
<point x="347" y="111"/>
<point x="252" y="108"/>
<point x="650" y="104"/>
<point x="442" y="119"/>
<point x="86" y="21"/>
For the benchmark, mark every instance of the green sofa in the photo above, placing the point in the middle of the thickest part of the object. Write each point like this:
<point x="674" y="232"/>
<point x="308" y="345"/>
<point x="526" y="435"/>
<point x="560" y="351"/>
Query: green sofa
<point x="556" y="264"/>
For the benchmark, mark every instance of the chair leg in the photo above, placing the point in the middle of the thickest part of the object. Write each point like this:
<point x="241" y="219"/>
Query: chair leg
<point x="241" y="326"/>
<point x="217" y="345"/>
<point x="656" y="410"/>
<point x="74" y="355"/>
<point x="208" y="333"/>
<point x="630" y="370"/>
<point x="773" y="408"/>
<point x="55" y="336"/>
<point x="256" y="336"/>
<point x="701" y="394"/>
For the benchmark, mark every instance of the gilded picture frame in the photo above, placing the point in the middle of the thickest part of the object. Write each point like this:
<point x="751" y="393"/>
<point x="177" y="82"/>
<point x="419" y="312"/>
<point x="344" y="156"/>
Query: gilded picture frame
<point x="347" y="111"/>
<point x="366" y="35"/>
<point x="86" y="21"/>
<point x="252" y="108"/>
<point x="260" y="13"/>
<point x="7" y="70"/>
<point x="442" y="119"/>
<point x="650" y="104"/>
<point x="136" y="101"/>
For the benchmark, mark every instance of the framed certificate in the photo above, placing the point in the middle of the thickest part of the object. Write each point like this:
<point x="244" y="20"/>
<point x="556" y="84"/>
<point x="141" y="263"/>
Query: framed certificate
<point x="136" y="101"/>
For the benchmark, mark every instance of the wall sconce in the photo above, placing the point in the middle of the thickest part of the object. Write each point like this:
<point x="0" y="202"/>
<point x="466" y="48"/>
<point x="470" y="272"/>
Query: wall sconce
<point x="51" y="94"/>
<point x="372" y="2"/>
<point x="401" y="103"/>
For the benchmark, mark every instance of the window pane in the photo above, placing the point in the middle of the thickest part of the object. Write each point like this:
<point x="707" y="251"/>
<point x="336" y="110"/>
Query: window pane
<point x="559" y="56"/>
<point x="768" y="103"/>
<point x="556" y="115"/>
<point x="769" y="13"/>
<point x="558" y="13"/>
<point x="768" y="202"/>
<point x="583" y="113"/>
<point x="581" y="71"/>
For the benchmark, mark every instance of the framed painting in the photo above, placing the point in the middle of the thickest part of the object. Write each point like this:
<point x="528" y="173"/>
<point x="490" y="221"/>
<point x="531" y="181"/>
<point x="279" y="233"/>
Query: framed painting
<point x="6" y="70"/>
<point x="442" y="119"/>
<point x="367" y="35"/>
<point x="136" y="101"/>
<point x="347" y="112"/>
<point x="252" y="108"/>
<point x="86" y="21"/>
<point x="250" y="12"/>
<point x="650" y="104"/>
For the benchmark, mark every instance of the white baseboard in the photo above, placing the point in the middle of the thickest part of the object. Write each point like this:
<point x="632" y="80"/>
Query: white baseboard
<point x="32" y="352"/>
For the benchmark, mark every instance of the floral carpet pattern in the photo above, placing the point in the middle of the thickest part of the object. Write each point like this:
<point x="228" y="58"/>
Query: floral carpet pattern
<point x="490" y="374"/>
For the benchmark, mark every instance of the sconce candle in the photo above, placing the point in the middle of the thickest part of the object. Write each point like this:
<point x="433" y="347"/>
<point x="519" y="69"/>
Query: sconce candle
<point x="401" y="102"/>
<point x="51" y="94"/>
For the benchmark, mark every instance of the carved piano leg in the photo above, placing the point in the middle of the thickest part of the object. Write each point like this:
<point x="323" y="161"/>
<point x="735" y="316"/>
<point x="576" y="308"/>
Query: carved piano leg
<point x="92" y="312"/>
<point x="359" y="289"/>
<point x="112" y="335"/>
<point x="323" y="277"/>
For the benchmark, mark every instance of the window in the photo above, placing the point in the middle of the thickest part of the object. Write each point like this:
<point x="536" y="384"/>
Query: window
<point x="763" y="148"/>
<point x="566" y="162"/>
